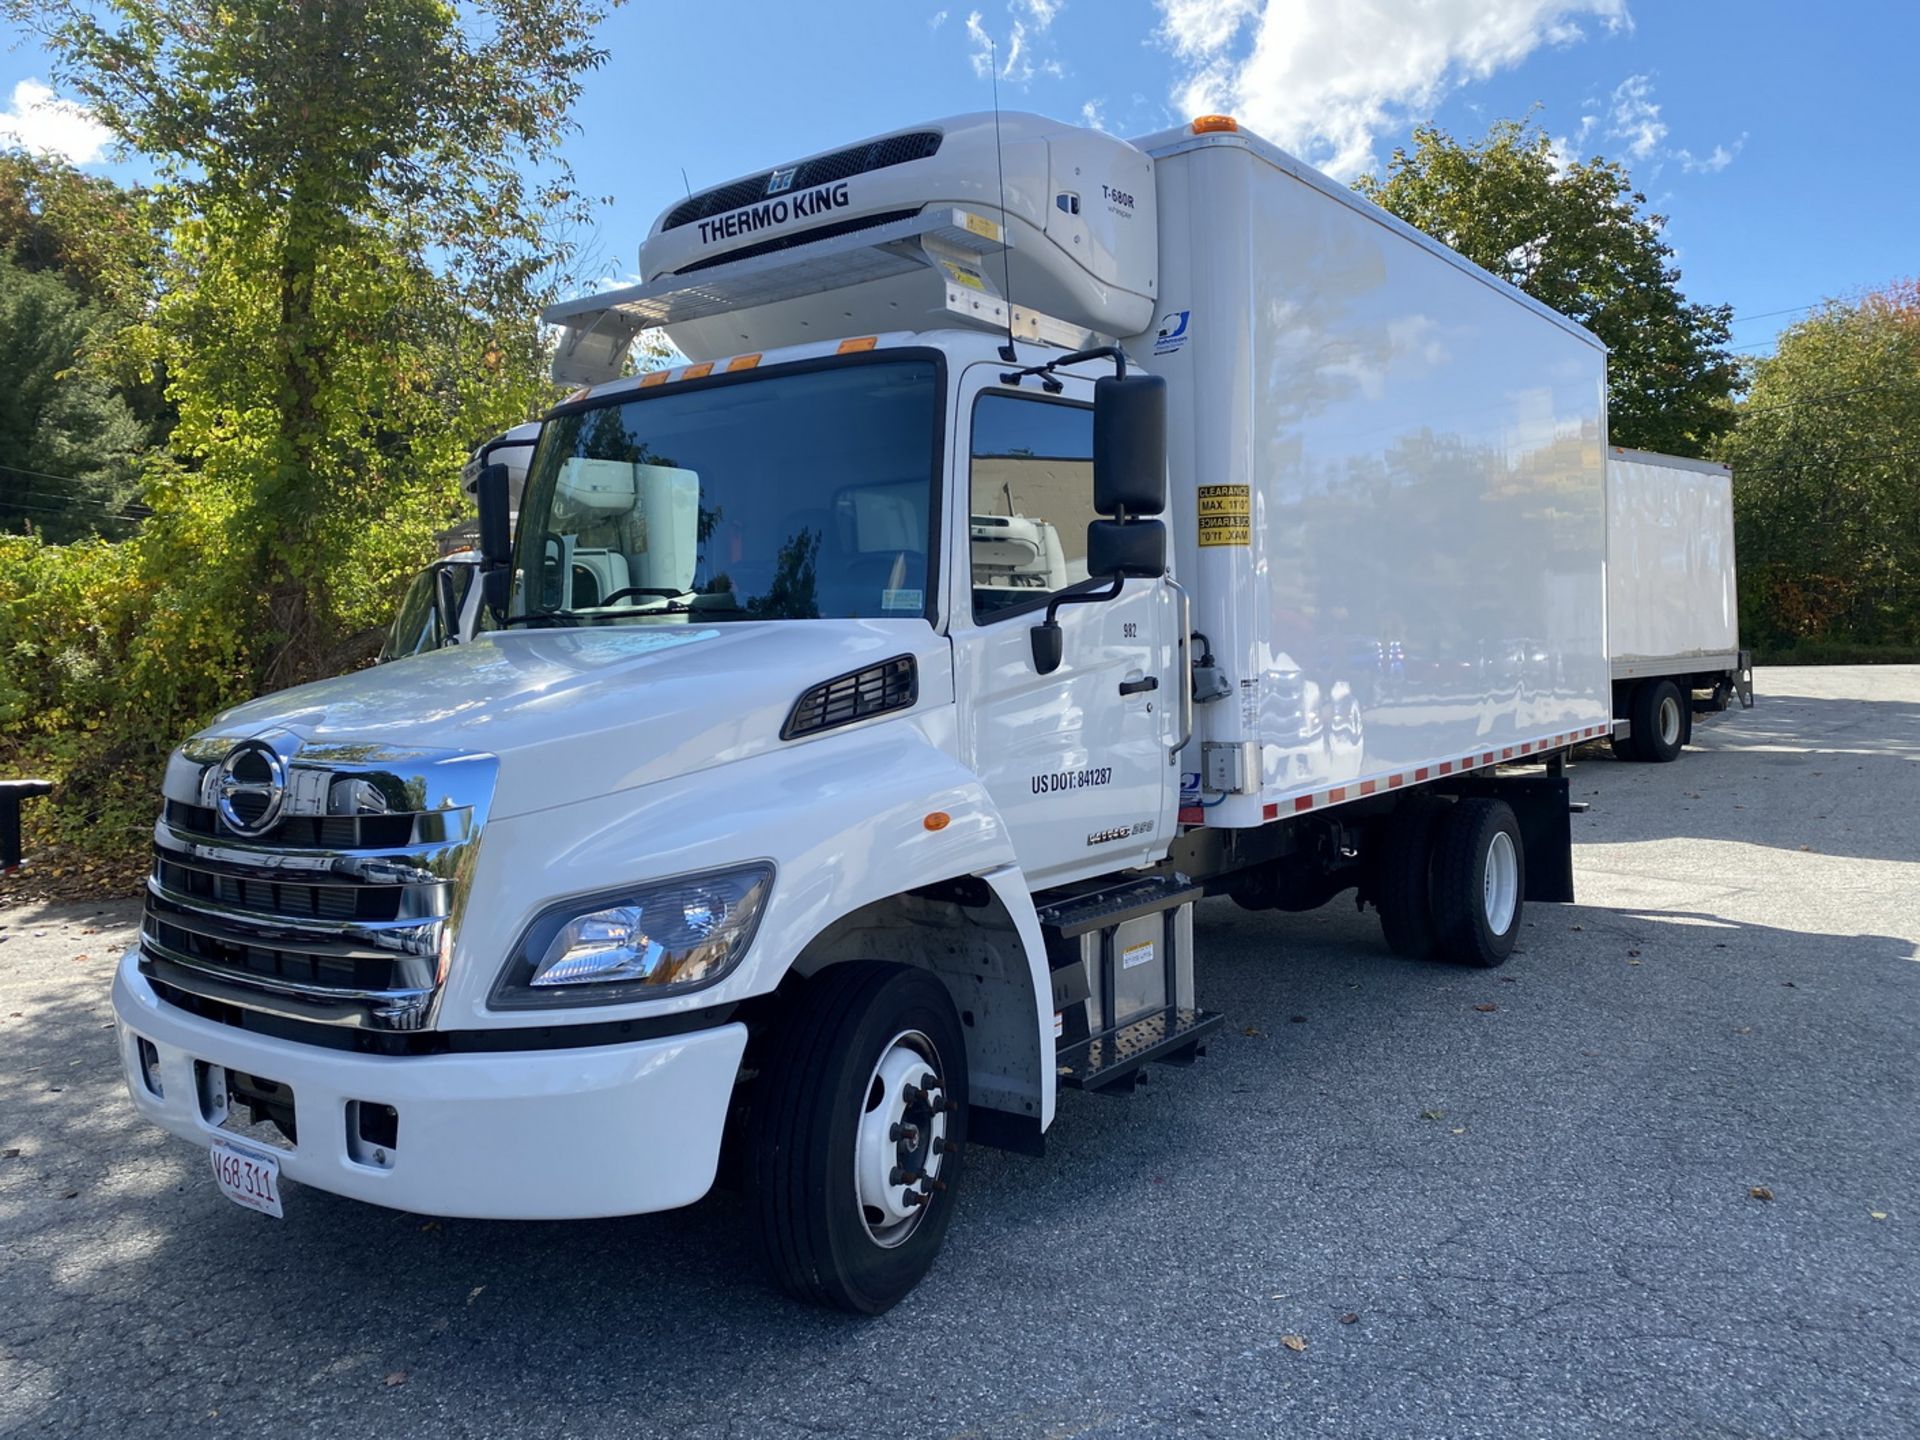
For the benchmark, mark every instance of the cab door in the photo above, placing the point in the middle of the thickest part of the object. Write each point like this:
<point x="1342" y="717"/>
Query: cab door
<point x="1079" y="761"/>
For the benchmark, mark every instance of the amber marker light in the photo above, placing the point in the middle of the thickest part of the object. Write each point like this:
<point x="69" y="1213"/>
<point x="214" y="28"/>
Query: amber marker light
<point x="937" y="820"/>
<point x="853" y="347"/>
<point x="1214" y="124"/>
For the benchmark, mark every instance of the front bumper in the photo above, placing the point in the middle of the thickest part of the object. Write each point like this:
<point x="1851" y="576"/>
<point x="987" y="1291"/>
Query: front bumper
<point x="512" y="1135"/>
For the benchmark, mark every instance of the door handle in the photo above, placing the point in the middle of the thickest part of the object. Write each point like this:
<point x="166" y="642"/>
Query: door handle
<point x="1139" y="687"/>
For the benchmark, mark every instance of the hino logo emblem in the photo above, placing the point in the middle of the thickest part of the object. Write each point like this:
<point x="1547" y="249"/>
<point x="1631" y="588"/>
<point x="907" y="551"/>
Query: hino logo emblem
<point x="250" y="787"/>
<point x="781" y="180"/>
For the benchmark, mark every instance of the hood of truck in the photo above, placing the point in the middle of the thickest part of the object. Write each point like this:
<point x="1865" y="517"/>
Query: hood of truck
<point x="582" y="712"/>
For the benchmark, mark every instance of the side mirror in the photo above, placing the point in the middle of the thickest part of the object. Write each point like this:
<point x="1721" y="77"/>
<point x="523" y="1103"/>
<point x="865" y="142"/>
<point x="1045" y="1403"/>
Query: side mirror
<point x="1049" y="646"/>
<point x="446" y="605"/>
<point x="1129" y="445"/>
<point x="496" y="537"/>
<point x="1135" y="550"/>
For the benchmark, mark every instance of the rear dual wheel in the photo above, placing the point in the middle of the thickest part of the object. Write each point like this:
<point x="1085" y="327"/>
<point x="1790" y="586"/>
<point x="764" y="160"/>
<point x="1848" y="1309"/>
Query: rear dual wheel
<point x="1451" y="880"/>
<point x="1660" y="718"/>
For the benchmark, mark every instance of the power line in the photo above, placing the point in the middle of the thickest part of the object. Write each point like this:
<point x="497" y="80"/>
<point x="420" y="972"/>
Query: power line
<point x="1814" y="399"/>
<point x="45" y="475"/>
<point x="1769" y="314"/>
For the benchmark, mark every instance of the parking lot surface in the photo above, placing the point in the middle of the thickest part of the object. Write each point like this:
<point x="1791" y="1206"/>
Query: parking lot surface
<point x="1394" y="1199"/>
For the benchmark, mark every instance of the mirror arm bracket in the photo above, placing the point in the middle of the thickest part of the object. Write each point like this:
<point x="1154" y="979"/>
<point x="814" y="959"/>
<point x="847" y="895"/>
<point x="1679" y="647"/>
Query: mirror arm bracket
<point x="1046" y="637"/>
<point x="1045" y="371"/>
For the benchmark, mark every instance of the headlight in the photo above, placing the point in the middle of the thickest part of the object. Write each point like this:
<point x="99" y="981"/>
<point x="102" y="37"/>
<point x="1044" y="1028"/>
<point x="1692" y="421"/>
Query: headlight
<point x="655" y="939"/>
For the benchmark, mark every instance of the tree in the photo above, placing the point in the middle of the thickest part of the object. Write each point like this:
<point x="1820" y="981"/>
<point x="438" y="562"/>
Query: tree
<point x="363" y="210"/>
<point x="104" y="244"/>
<point x="69" y="443"/>
<point x="1577" y="238"/>
<point x="1825" y="452"/>
<point x="355" y="267"/>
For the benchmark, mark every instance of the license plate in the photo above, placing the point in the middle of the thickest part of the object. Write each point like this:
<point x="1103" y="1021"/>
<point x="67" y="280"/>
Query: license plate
<point x="247" y="1177"/>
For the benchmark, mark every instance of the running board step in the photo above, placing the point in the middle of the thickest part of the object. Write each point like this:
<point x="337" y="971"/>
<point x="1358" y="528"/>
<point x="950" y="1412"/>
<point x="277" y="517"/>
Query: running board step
<point x="1111" y="1061"/>
<point x="1076" y="915"/>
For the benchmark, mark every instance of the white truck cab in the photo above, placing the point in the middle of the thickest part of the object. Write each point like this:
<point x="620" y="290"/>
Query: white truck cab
<point x="866" y="708"/>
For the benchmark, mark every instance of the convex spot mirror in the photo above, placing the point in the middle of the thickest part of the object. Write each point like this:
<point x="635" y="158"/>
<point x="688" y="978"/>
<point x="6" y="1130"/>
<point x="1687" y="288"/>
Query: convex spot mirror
<point x="1129" y="446"/>
<point x="1135" y="550"/>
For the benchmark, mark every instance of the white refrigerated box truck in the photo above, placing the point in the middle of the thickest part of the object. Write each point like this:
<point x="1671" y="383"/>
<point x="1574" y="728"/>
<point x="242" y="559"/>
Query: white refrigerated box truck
<point x="1047" y="530"/>
<point x="1673" y="614"/>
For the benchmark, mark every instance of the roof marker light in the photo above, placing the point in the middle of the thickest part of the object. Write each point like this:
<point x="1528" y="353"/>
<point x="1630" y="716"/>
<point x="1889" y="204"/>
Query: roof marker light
<point x="1212" y="124"/>
<point x="853" y="347"/>
<point x="697" y="372"/>
<point x="655" y="377"/>
<point x="743" y="362"/>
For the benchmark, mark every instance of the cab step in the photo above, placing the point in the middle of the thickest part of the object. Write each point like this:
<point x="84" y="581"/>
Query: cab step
<point x="1069" y="916"/>
<point x="1111" y="1061"/>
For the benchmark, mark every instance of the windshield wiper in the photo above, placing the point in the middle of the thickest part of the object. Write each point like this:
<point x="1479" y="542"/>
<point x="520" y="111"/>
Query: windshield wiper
<point x="541" y="617"/>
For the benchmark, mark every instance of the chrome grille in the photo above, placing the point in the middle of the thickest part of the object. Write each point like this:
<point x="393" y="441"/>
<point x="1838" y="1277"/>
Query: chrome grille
<point x="342" y="911"/>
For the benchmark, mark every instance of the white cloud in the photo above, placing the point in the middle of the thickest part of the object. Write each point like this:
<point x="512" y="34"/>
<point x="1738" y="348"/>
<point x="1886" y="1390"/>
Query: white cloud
<point x="939" y="19"/>
<point x="1325" y="80"/>
<point x="1020" y="58"/>
<point x="1093" y="114"/>
<point x="37" y="120"/>
<point x="1718" y="160"/>
<point x="1634" y="119"/>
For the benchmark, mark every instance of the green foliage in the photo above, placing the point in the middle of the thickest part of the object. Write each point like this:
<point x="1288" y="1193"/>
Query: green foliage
<point x="363" y="212"/>
<point x="1826" y="481"/>
<point x="1577" y="238"/>
<point x="69" y="443"/>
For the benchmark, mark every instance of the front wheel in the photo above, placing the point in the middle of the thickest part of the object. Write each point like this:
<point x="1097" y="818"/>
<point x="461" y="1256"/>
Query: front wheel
<point x="854" y="1141"/>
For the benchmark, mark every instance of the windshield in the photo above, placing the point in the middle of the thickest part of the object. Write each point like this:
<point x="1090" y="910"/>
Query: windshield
<point x="795" y="496"/>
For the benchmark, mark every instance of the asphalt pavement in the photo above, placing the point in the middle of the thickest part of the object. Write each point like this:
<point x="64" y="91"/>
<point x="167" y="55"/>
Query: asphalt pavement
<point x="1394" y="1199"/>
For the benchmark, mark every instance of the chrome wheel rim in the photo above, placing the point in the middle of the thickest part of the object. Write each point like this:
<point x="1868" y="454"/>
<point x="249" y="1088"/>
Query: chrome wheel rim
<point x="1669" y="721"/>
<point x="1500" y="887"/>
<point x="899" y="1149"/>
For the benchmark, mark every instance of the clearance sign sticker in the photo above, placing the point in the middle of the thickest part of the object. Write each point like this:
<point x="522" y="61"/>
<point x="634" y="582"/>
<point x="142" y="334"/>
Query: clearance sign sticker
<point x="1226" y="515"/>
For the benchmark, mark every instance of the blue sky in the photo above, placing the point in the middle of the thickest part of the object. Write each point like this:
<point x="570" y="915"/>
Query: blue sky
<point x="1778" y="138"/>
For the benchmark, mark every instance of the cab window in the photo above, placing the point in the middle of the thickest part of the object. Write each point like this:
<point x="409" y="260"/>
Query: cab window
<point x="1032" y="499"/>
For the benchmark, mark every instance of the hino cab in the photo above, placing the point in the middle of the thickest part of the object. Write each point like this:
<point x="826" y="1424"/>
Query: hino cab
<point x="862" y="711"/>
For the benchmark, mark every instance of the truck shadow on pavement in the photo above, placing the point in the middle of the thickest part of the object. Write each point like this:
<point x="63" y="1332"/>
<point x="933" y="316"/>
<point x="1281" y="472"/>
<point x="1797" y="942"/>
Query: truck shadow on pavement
<point x="1424" y="1147"/>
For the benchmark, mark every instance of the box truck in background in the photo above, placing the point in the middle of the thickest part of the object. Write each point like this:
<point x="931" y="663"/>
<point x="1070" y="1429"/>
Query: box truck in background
<point x="1673" y="617"/>
<point x="1045" y="531"/>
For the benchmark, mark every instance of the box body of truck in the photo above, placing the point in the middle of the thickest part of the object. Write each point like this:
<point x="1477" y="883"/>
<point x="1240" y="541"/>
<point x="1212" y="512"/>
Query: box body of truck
<point x="873" y="696"/>
<point x="1673" y="618"/>
<point x="1391" y="484"/>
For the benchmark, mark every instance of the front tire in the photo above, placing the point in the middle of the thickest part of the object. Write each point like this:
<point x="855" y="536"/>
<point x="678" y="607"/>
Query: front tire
<point x="864" y="1088"/>
<point x="1479" y="881"/>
